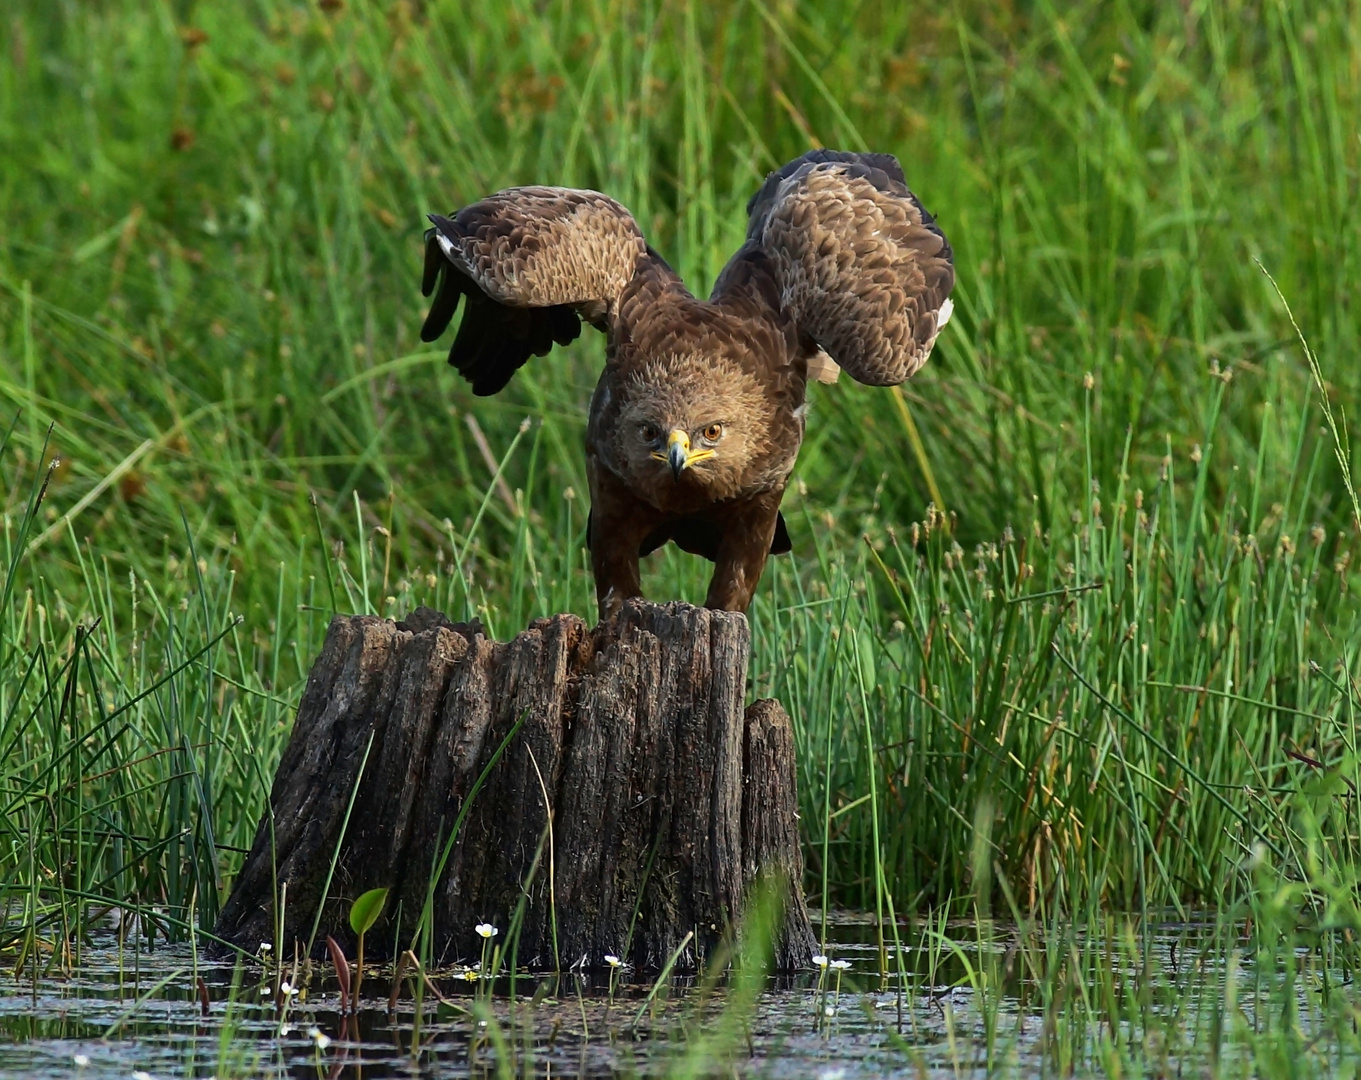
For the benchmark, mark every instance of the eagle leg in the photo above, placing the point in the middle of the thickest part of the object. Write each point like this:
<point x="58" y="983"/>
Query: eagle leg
<point x="615" y="567"/>
<point x="747" y="535"/>
<point x="618" y="525"/>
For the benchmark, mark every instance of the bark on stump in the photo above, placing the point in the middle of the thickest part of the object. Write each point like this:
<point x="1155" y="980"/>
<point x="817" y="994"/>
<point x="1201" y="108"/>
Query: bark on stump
<point x="667" y="799"/>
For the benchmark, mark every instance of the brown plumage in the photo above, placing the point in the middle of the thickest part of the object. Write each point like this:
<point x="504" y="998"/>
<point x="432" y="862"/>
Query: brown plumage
<point x="699" y="413"/>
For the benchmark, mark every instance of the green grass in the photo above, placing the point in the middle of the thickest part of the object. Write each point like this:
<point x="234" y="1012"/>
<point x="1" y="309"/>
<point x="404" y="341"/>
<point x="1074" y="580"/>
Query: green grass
<point x="1121" y="679"/>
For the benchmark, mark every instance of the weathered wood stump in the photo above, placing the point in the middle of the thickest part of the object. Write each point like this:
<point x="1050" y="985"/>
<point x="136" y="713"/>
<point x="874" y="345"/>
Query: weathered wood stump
<point x="666" y="799"/>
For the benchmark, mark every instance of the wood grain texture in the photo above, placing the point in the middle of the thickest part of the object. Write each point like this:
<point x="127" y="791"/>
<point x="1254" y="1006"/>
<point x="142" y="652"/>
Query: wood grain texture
<point x="638" y="801"/>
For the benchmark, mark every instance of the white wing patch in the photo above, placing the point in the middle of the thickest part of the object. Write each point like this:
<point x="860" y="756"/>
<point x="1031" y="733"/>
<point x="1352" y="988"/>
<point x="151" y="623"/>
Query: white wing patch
<point x="943" y="315"/>
<point x="823" y="368"/>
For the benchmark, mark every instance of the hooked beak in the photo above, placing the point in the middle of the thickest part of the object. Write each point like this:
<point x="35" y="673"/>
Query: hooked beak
<point x="679" y="455"/>
<point x="678" y="452"/>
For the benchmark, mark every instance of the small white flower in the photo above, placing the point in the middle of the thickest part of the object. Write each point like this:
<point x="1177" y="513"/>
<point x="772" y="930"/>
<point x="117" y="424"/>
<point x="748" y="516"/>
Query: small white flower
<point x="139" y="1074"/>
<point x="486" y="930"/>
<point x="285" y="1031"/>
<point x="287" y="990"/>
<point x="265" y="946"/>
<point x="840" y="965"/>
<point x="319" y="1037"/>
<point x="82" y="1060"/>
<point x="613" y="960"/>
<point x="820" y="960"/>
<point x="828" y="1010"/>
<point x="264" y="991"/>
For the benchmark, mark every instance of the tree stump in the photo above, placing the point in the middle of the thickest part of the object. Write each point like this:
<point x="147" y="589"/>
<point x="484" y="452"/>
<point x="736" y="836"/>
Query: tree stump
<point x="666" y="799"/>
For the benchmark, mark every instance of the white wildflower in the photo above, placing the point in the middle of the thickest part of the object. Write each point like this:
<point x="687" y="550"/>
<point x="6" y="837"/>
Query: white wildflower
<point x="486" y="930"/>
<point x="81" y="1060"/>
<point x="820" y="960"/>
<point x="319" y="1037"/>
<point x="613" y="960"/>
<point x="840" y="965"/>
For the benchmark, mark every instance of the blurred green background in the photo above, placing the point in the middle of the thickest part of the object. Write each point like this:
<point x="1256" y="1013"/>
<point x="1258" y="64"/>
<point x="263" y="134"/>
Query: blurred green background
<point x="216" y="210"/>
<point x="209" y="276"/>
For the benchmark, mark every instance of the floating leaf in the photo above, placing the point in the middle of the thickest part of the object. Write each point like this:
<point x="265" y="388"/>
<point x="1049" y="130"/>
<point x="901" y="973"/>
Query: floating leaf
<point x="365" y="910"/>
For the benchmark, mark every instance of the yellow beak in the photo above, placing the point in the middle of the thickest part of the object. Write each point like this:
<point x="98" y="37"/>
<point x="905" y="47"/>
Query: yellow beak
<point x="679" y="455"/>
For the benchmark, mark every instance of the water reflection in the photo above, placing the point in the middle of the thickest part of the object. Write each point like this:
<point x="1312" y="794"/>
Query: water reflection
<point x="122" y="1015"/>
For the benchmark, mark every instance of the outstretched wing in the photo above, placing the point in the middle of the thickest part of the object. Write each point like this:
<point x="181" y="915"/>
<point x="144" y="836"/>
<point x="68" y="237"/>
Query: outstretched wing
<point x="862" y="268"/>
<point x="532" y="262"/>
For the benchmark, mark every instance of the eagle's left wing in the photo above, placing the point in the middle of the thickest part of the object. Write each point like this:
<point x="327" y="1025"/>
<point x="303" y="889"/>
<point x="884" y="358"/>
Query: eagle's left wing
<point x="861" y="267"/>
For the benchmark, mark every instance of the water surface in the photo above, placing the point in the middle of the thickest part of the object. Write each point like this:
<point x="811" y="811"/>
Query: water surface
<point x="123" y="1014"/>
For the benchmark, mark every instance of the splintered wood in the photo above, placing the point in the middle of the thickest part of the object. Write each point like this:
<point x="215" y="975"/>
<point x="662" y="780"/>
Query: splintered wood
<point x="636" y="802"/>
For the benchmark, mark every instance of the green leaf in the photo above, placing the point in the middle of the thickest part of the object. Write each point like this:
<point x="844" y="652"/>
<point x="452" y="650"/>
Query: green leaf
<point x="865" y="647"/>
<point x="364" y="911"/>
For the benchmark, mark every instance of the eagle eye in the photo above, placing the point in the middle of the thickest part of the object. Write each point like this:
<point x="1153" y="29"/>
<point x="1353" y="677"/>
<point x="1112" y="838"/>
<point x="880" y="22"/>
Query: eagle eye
<point x="713" y="432"/>
<point x="649" y="432"/>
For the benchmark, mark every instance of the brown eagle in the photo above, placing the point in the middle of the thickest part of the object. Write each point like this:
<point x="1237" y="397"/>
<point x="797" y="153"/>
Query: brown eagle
<point x="699" y="413"/>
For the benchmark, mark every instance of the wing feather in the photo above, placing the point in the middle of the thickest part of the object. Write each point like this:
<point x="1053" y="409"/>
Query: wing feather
<point x="532" y="262"/>
<point x="862" y="267"/>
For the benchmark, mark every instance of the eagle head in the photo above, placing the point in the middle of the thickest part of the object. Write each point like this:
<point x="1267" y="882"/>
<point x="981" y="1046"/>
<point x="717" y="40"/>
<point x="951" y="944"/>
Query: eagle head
<point x="691" y="424"/>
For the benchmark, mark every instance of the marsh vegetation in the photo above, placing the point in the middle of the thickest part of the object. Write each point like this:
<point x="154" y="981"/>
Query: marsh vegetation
<point x="1068" y="635"/>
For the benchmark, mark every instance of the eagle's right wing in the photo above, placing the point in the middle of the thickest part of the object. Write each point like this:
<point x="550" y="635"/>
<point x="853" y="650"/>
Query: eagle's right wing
<point x="861" y="267"/>
<point x="532" y="262"/>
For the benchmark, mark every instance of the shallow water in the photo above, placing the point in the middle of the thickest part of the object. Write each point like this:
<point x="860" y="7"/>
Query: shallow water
<point x="120" y="1015"/>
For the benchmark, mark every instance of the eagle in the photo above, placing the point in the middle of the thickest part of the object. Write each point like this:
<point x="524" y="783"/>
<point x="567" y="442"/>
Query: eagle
<point x="698" y="416"/>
